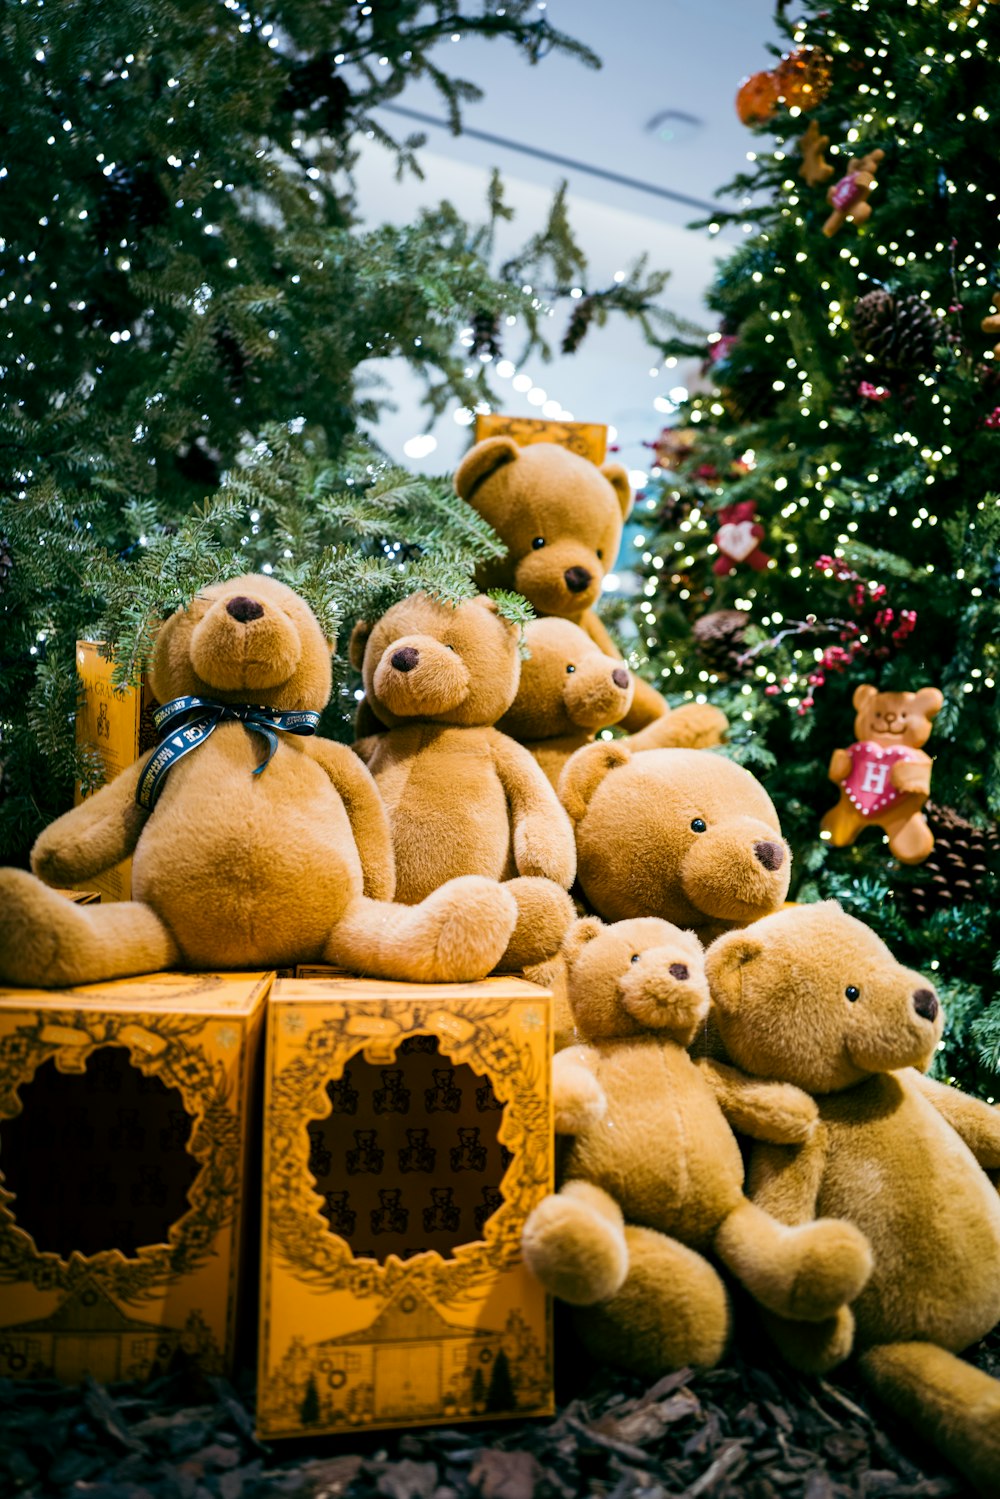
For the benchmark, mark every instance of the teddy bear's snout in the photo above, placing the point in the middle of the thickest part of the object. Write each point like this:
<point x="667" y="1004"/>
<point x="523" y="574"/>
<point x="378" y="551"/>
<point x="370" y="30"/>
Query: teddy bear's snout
<point x="406" y="658"/>
<point x="771" y="855"/>
<point x="244" y="609"/>
<point x="577" y="579"/>
<point x="925" y="1003"/>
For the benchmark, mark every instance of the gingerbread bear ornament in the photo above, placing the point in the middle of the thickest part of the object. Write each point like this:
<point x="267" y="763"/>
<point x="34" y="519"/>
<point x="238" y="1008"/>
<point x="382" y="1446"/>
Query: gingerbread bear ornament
<point x="885" y="776"/>
<point x="849" y="197"/>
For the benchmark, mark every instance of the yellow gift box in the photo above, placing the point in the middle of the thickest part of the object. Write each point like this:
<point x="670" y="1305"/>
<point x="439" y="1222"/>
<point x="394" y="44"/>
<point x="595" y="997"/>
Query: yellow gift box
<point x="589" y="439"/>
<point x="126" y="1118"/>
<point x="407" y="1135"/>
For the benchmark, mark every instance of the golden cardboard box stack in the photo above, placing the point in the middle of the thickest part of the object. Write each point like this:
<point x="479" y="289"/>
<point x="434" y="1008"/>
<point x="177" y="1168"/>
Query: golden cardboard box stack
<point x="126" y="1121"/>
<point x="407" y="1135"/>
<point x="589" y="439"/>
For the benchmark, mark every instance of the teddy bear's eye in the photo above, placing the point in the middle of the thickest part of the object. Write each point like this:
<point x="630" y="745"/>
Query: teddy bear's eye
<point x="635" y="957"/>
<point x="539" y="541"/>
<point x="698" y="825"/>
<point x="852" y="992"/>
<point x="570" y="670"/>
<point x="450" y="647"/>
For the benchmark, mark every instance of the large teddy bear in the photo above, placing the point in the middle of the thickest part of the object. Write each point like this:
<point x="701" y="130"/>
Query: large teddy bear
<point x="255" y="847"/>
<point x="463" y="798"/>
<point x="653" y="1176"/>
<point x="811" y="996"/>
<point x="560" y="517"/>
<point x="570" y="688"/>
<point x="686" y="835"/>
<point x="885" y="776"/>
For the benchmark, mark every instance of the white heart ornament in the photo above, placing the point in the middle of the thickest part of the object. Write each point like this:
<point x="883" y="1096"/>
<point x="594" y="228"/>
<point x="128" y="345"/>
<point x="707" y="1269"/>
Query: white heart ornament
<point x="737" y="539"/>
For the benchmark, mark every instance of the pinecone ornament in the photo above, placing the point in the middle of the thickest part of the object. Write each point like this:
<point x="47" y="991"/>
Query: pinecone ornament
<point x="581" y="317"/>
<point x="486" y="334"/>
<point x="962" y="856"/>
<point x="6" y="561"/>
<point x="721" y="639"/>
<point x="899" y="333"/>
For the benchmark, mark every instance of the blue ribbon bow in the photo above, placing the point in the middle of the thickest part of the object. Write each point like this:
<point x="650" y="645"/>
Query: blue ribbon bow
<point x="186" y="722"/>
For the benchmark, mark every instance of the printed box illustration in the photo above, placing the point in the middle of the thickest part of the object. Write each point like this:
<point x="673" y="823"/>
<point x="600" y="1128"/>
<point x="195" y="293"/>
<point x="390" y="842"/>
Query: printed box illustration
<point x="127" y="1112"/>
<point x="589" y="439"/>
<point x="117" y="723"/>
<point x="407" y="1135"/>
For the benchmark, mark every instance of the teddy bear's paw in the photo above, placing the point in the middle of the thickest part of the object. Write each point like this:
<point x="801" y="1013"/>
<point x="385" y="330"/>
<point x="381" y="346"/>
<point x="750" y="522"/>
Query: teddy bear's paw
<point x="832" y="1261"/>
<point x="574" y="1243"/>
<point x="471" y="920"/>
<point x="31" y="924"/>
<point x="544" y="848"/>
<point x="812" y="1347"/>
<point x="544" y="914"/>
<point x="691" y="726"/>
<point x="579" y="1101"/>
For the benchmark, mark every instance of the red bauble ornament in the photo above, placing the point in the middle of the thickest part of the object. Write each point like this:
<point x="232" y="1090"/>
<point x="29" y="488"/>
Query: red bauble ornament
<point x="757" y="99"/>
<point x="738" y="539"/>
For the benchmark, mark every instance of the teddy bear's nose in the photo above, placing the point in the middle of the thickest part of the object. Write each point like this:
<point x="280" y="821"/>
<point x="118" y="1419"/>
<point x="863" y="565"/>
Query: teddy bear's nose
<point x="577" y="579"/>
<point x="771" y="855"/>
<point x="406" y="658"/>
<point x="925" y="1003"/>
<point x="680" y="971"/>
<point x="244" y="609"/>
<point x="620" y="677"/>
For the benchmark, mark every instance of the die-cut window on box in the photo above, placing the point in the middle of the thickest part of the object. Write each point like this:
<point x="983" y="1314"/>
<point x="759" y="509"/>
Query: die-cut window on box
<point x="97" y="1160"/>
<point x="409" y="1158"/>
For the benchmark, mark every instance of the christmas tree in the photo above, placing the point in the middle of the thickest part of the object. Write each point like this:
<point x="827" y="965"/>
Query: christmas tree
<point x="821" y="513"/>
<point x="190" y="307"/>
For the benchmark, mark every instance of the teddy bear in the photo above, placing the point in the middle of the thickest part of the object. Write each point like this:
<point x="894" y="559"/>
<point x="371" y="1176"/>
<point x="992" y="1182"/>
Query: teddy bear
<point x="885" y="776"/>
<point x="252" y="845"/>
<point x="570" y="688"/>
<point x="811" y="996"/>
<point x="560" y="518"/>
<point x="738" y="538"/>
<point x="652" y="1172"/>
<point x="849" y="197"/>
<point x="462" y="797"/>
<point x="682" y="834"/>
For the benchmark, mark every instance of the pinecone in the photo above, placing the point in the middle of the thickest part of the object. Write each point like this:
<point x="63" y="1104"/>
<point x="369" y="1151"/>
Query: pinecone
<point x="580" y="320"/>
<point x="899" y="333"/>
<point x="6" y="561"/>
<point x="486" y="334"/>
<point x="721" y="639"/>
<point x="962" y="856"/>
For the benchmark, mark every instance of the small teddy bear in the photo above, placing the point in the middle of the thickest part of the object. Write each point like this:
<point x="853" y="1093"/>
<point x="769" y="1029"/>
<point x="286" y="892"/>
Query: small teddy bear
<point x="462" y="798"/>
<point x="813" y="997"/>
<point x="738" y="539"/>
<point x="652" y="1173"/>
<point x="884" y="776"/>
<point x="560" y="518"/>
<point x="849" y="196"/>
<point x="570" y="688"/>
<point x="253" y="846"/>
<point x="686" y="835"/>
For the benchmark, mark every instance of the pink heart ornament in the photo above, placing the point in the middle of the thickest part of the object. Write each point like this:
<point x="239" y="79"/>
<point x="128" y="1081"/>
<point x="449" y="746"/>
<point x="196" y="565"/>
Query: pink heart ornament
<point x="868" y="786"/>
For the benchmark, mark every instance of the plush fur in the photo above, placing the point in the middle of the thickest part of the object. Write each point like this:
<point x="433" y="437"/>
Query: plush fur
<point x="812" y="997"/>
<point x="642" y="851"/>
<point x="570" y="688"/>
<point x="233" y="869"/>
<point x="560" y="517"/>
<point x="892" y="721"/>
<point x="462" y="797"/>
<point x="653" y="1173"/>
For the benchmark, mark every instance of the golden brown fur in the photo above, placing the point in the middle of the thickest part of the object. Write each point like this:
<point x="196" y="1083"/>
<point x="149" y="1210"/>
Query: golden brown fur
<point x="233" y="869"/>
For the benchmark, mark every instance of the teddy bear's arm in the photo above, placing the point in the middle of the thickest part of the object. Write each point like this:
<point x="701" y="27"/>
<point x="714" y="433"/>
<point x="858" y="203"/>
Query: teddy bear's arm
<point x="366" y="813"/>
<point x="778" y="1112"/>
<point x="366" y="747"/>
<point x="840" y="766"/>
<point x="785" y="1180"/>
<point x="94" y="836"/>
<point x="542" y="835"/>
<point x="977" y="1122"/>
<point x="912" y="775"/>
<point x="578" y="1098"/>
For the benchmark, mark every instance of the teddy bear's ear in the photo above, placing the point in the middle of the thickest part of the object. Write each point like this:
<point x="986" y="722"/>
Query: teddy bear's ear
<point x="579" y="934"/>
<point x="359" y="639"/>
<point x="724" y="961"/>
<point x="618" y="479"/>
<point x="929" y="701"/>
<point x="584" y="772"/>
<point x="481" y="461"/>
<point x="490" y="605"/>
<point x="863" y="695"/>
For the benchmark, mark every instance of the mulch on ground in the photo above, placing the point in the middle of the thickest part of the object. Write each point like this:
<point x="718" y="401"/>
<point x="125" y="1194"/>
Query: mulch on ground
<point x="750" y="1429"/>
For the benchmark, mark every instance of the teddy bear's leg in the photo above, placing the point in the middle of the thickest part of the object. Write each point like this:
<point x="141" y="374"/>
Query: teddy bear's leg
<point x="672" y="1311"/>
<point x="458" y="933"/>
<point x="910" y="839"/>
<point x="691" y="726"/>
<point x="544" y="914"/>
<point x="812" y="1347"/>
<point x="952" y="1403"/>
<point x="843" y="823"/>
<point x="574" y="1243"/>
<point x="805" y="1273"/>
<point x="47" y="942"/>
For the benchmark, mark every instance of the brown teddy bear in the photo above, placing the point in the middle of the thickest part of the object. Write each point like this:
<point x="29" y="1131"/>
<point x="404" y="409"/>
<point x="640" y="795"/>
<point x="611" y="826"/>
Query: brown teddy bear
<point x="885" y="777"/>
<point x="686" y="835"/>
<point x="462" y="797"/>
<point x="254" y="848"/>
<point x="570" y="688"/>
<point x="653" y="1176"/>
<point x="811" y="996"/>
<point x="560" y="517"/>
